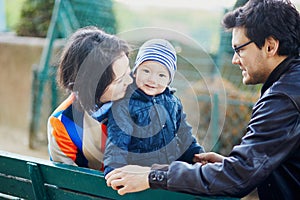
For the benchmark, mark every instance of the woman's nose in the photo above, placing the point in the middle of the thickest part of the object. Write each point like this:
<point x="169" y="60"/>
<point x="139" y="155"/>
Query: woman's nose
<point x="129" y="80"/>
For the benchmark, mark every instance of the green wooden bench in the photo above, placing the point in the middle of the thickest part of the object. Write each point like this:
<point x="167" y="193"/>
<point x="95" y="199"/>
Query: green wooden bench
<point x="23" y="177"/>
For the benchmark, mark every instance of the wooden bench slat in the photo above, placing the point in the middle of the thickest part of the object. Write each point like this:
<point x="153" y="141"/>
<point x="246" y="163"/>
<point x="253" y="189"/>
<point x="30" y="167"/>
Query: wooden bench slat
<point x="17" y="168"/>
<point x="92" y="182"/>
<point x="8" y="186"/>
<point x="32" y="178"/>
<point x="62" y="194"/>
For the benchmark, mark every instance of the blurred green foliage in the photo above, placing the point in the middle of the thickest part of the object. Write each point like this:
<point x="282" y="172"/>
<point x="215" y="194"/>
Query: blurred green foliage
<point x="201" y="25"/>
<point x="12" y="13"/>
<point x="35" y="18"/>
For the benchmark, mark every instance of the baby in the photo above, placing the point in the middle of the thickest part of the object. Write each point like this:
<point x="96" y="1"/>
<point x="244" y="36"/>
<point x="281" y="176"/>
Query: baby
<point x="148" y="125"/>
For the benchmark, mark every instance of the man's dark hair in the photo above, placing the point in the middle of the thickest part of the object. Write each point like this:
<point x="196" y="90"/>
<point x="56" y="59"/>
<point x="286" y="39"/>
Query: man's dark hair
<point x="268" y="18"/>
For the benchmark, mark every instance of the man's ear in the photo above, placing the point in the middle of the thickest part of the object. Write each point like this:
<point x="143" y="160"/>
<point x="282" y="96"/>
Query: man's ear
<point x="271" y="46"/>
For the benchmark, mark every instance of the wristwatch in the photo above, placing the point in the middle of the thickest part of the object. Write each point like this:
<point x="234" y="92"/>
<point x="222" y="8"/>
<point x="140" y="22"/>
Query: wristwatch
<point x="157" y="179"/>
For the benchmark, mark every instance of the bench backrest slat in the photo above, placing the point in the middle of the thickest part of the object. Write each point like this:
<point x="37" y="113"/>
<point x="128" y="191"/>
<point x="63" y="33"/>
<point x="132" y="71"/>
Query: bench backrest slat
<point x="8" y="186"/>
<point x="32" y="178"/>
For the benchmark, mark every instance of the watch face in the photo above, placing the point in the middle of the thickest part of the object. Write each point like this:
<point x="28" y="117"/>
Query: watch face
<point x="152" y="176"/>
<point x="158" y="179"/>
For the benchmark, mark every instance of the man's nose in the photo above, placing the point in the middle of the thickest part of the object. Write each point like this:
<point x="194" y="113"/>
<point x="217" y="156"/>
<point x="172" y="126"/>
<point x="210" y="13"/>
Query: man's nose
<point x="235" y="59"/>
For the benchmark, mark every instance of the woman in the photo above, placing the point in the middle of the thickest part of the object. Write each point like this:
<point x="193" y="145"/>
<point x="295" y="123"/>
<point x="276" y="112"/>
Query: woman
<point x="94" y="68"/>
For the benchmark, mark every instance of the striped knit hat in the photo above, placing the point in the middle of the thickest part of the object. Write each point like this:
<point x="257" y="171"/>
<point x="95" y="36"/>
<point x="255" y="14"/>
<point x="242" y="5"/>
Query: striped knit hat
<point x="158" y="50"/>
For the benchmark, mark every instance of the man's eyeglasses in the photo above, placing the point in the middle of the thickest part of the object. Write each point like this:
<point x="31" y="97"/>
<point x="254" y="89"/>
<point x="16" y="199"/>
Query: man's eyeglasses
<point x="237" y="49"/>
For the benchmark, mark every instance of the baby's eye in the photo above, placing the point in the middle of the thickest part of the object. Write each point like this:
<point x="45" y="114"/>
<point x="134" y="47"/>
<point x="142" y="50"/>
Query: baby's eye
<point x="146" y="71"/>
<point x="162" y="75"/>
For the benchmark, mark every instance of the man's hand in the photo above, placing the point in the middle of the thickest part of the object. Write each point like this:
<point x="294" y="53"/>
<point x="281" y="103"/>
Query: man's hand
<point x="128" y="179"/>
<point x="209" y="157"/>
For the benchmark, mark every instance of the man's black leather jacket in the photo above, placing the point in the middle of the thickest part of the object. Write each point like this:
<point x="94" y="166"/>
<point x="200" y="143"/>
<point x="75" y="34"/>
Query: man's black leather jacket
<point x="267" y="158"/>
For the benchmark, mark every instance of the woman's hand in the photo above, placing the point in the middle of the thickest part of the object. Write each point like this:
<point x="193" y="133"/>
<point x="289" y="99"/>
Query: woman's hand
<point x="128" y="179"/>
<point x="209" y="157"/>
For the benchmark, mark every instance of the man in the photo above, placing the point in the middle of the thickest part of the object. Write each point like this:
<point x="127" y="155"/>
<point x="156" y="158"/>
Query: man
<point x="266" y="41"/>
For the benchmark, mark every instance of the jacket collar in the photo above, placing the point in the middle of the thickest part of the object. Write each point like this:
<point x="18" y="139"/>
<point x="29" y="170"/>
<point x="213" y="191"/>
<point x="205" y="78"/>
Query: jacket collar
<point x="277" y="73"/>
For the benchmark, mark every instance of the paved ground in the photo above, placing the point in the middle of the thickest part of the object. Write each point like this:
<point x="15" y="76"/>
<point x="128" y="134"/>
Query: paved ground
<point x="16" y="141"/>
